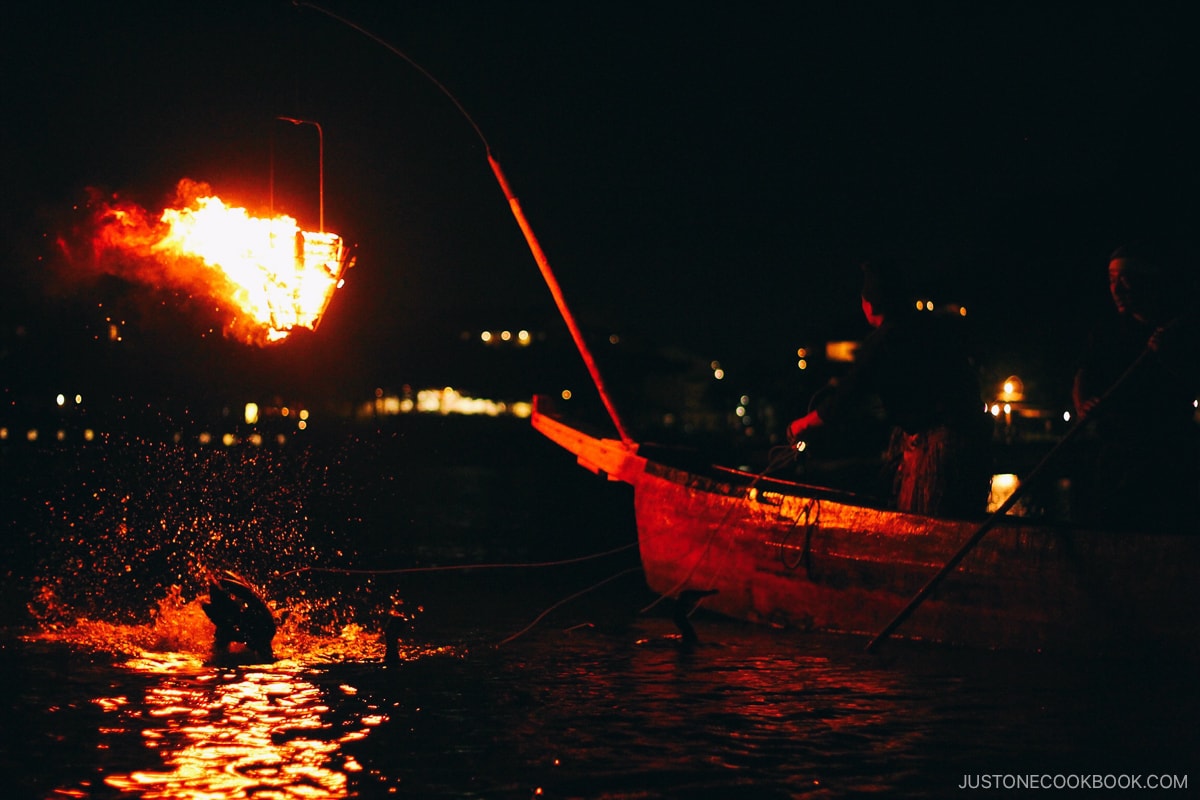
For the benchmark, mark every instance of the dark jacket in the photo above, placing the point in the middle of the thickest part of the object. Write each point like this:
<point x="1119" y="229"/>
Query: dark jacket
<point x="920" y="368"/>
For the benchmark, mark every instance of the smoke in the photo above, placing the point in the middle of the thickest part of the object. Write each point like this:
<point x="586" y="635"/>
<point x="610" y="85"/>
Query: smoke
<point x="118" y="243"/>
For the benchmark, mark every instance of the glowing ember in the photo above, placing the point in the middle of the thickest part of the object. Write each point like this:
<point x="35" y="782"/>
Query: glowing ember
<point x="276" y="276"/>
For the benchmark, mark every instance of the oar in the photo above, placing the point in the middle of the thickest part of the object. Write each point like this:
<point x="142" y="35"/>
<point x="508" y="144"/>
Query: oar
<point x="999" y="513"/>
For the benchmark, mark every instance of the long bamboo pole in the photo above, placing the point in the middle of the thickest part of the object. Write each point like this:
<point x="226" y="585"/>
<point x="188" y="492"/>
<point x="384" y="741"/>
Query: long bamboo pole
<point x="515" y="206"/>
<point x="559" y="299"/>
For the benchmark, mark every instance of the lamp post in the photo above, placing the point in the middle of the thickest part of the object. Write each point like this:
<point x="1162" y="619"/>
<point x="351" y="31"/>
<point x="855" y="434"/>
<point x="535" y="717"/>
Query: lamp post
<point x="321" y="163"/>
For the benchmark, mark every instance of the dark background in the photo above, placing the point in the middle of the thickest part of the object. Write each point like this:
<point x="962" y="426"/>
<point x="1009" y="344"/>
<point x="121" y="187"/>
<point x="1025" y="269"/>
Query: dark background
<point x="702" y="176"/>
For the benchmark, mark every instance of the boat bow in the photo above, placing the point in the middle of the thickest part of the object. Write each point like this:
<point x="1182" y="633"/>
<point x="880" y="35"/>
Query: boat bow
<point x="613" y="458"/>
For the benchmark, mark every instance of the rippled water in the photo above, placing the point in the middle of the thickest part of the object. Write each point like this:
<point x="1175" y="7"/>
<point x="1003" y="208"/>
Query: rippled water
<point x="512" y="682"/>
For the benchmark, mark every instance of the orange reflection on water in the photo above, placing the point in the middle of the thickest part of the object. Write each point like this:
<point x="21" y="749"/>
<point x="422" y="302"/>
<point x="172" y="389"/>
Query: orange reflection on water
<point x="258" y="733"/>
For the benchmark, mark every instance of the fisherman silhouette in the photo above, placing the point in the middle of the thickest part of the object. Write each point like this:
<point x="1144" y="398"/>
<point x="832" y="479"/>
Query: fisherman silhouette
<point x="1145" y="467"/>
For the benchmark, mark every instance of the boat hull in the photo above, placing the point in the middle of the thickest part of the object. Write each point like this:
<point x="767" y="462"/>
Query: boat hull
<point x="797" y="556"/>
<point x="814" y="563"/>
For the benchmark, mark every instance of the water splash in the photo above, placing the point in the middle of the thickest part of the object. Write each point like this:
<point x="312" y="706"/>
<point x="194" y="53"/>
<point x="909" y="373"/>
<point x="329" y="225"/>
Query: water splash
<point x="121" y="538"/>
<point x="179" y="633"/>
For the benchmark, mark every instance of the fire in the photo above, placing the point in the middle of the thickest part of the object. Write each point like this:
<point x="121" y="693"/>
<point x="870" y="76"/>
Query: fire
<point x="275" y="276"/>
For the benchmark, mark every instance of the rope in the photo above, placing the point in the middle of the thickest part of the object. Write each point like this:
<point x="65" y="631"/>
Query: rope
<point x="463" y="567"/>
<point x="458" y="567"/>
<point x="566" y="600"/>
<point x="403" y="55"/>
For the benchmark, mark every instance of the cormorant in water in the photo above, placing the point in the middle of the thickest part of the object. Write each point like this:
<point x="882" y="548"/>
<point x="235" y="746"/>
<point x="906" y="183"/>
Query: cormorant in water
<point x="684" y="605"/>
<point x="396" y="627"/>
<point x="240" y="615"/>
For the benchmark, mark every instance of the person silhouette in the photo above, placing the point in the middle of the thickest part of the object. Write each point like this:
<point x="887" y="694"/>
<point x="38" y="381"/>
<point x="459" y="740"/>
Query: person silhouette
<point x="924" y="377"/>
<point x="1146" y="466"/>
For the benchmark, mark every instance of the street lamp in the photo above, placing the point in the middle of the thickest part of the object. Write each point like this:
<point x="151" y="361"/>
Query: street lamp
<point x="321" y="161"/>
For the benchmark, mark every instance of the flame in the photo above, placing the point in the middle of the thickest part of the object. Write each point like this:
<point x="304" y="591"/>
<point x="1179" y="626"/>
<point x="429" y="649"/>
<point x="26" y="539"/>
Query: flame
<point x="274" y="275"/>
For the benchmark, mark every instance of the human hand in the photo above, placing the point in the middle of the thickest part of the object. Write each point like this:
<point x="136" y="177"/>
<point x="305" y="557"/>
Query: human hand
<point x="1155" y="342"/>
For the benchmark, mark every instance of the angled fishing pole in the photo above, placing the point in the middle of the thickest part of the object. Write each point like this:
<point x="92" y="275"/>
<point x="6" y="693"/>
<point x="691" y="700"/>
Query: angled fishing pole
<point x="1000" y="512"/>
<point x="514" y="205"/>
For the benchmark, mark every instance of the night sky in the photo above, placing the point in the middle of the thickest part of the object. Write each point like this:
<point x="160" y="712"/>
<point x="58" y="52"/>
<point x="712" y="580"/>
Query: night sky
<point x="705" y="176"/>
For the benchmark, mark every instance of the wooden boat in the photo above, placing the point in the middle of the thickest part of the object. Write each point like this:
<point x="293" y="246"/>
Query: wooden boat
<point x="789" y="554"/>
<point x="780" y="552"/>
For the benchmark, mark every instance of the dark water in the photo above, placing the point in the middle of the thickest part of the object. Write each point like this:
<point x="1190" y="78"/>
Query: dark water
<point x="514" y="680"/>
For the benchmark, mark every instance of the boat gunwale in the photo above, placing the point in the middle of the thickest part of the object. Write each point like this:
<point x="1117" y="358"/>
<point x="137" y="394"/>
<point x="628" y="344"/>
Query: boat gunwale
<point x="739" y="483"/>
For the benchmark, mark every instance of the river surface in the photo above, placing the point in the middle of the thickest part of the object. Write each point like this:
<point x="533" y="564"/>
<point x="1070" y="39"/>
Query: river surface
<point x="545" y="670"/>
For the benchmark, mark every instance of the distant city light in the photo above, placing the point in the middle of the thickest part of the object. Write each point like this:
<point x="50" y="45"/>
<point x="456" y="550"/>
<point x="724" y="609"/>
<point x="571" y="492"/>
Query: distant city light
<point x="841" y="351"/>
<point x="1012" y="390"/>
<point x="522" y="338"/>
<point x="446" y="400"/>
